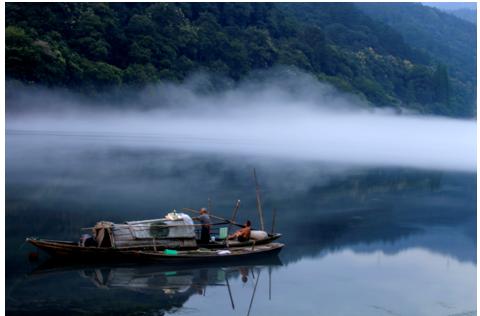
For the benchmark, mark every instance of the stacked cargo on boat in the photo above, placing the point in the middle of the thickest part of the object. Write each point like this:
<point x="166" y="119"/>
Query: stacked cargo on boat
<point x="176" y="230"/>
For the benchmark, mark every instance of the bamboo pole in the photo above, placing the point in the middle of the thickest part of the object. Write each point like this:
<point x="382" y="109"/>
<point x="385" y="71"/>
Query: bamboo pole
<point x="259" y="202"/>
<point x="213" y="216"/>
<point x="273" y="220"/>
<point x="234" y="216"/>
<point x="148" y="226"/>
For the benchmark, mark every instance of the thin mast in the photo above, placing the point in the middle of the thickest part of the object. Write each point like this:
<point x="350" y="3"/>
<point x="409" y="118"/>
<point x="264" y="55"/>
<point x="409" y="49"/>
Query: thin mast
<point x="273" y="220"/>
<point x="234" y="215"/>
<point x="209" y="205"/>
<point x="259" y="202"/>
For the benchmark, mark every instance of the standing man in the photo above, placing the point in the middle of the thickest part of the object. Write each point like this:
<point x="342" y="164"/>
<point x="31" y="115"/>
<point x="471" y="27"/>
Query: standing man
<point x="204" y="219"/>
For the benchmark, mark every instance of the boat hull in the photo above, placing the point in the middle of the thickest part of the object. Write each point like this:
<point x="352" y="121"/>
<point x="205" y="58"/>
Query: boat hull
<point x="69" y="251"/>
<point x="65" y="250"/>
<point x="239" y="254"/>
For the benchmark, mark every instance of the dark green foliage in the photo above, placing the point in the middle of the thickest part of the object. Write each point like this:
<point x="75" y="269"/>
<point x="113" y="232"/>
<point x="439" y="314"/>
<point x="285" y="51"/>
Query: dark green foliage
<point x="441" y="85"/>
<point x="448" y="39"/>
<point x="96" y="46"/>
<point x="32" y="60"/>
<point x="139" y="75"/>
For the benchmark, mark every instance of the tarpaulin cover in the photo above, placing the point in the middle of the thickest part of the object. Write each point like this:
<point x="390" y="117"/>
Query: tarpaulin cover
<point x="179" y="225"/>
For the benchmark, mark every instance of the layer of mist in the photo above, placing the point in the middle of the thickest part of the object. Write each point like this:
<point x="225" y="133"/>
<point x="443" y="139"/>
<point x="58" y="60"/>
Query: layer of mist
<point x="282" y="114"/>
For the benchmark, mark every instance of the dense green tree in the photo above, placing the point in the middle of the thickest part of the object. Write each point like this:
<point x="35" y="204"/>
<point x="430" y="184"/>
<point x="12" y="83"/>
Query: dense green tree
<point x="448" y="39"/>
<point x="140" y="75"/>
<point x="441" y="85"/>
<point x="260" y="49"/>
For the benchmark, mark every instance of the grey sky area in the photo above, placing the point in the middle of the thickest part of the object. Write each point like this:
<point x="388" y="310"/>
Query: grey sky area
<point x="451" y="5"/>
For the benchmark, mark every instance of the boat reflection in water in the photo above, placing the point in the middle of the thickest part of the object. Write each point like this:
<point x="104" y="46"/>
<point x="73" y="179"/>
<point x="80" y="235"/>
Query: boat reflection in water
<point x="133" y="289"/>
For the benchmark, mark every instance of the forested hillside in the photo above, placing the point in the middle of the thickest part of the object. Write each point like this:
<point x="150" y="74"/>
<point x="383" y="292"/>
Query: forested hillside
<point x="92" y="47"/>
<point x="447" y="38"/>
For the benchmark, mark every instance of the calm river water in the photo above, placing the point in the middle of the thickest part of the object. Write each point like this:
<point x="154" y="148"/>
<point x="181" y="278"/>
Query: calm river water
<point x="359" y="241"/>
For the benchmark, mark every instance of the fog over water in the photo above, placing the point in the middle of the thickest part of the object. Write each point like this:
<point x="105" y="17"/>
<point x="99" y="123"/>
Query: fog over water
<point x="283" y="114"/>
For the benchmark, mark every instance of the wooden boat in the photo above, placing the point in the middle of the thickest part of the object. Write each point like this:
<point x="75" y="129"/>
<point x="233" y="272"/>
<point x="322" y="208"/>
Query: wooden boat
<point x="52" y="246"/>
<point x="174" y="231"/>
<point x="67" y="250"/>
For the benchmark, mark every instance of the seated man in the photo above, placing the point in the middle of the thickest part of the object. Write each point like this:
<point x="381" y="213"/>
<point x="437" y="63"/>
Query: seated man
<point x="242" y="234"/>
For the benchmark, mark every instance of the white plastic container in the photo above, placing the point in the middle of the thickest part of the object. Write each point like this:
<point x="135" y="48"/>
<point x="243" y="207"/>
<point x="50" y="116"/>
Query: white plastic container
<point x="258" y="235"/>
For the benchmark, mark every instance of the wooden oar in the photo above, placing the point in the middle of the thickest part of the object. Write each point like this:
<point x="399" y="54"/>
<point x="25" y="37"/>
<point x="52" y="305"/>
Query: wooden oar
<point x="217" y="217"/>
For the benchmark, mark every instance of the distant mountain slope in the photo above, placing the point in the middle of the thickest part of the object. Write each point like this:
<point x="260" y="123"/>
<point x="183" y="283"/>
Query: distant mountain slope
<point x="447" y="38"/>
<point x="465" y="14"/>
<point x="347" y="26"/>
<point x="92" y="47"/>
<point x="447" y="6"/>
